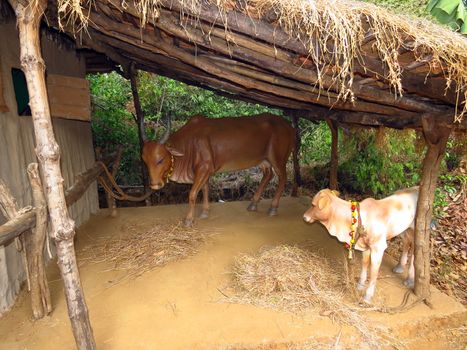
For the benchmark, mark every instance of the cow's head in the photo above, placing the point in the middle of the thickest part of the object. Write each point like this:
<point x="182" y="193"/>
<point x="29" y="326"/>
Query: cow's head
<point x="159" y="159"/>
<point x="320" y="209"/>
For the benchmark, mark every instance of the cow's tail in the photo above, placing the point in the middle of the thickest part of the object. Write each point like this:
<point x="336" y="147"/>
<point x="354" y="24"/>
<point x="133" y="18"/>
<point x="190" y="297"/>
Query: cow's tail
<point x="296" y="160"/>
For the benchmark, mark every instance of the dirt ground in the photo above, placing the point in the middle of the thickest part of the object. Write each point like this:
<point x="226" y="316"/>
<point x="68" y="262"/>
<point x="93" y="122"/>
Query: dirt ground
<point x="181" y="306"/>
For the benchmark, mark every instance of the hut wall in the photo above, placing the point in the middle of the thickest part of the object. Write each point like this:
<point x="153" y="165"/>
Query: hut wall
<point x="17" y="146"/>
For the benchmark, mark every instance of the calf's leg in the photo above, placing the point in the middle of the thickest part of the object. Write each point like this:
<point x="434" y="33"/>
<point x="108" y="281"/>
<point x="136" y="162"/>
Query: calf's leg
<point x="406" y="244"/>
<point x="267" y="175"/>
<point x="205" y="212"/>
<point x="364" y="272"/>
<point x="376" y="259"/>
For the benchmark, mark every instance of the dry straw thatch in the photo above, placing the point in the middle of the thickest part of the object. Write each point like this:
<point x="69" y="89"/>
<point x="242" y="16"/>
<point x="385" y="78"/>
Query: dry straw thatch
<point x="294" y="279"/>
<point x="334" y="33"/>
<point x="141" y="250"/>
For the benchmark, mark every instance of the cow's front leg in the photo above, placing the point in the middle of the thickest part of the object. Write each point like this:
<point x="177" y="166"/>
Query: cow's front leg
<point x="364" y="272"/>
<point x="376" y="259"/>
<point x="205" y="212"/>
<point x="201" y="177"/>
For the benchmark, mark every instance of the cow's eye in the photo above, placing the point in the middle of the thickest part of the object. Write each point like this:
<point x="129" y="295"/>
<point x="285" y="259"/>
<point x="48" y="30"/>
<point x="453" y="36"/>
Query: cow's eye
<point x="160" y="161"/>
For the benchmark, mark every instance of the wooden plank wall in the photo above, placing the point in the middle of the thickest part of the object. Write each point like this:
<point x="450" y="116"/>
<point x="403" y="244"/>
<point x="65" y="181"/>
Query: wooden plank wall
<point x="69" y="97"/>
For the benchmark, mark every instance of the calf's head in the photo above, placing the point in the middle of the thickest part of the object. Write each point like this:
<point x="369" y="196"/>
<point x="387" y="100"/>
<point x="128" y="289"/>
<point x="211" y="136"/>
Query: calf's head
<point x="320" y="209"/>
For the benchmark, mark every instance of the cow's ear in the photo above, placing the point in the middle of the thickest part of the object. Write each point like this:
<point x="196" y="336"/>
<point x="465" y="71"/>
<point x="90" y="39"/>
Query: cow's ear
<point x="174" y="152"/>
<point x="323" y="202"/>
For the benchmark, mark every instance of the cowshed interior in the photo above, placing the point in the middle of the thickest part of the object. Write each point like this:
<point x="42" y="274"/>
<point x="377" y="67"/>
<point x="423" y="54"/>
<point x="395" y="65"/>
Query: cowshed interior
<point x="181" y="305"/>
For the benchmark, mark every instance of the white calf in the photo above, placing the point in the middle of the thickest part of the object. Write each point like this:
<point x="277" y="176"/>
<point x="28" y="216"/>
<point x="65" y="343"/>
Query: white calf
<point x="382" y="220"/>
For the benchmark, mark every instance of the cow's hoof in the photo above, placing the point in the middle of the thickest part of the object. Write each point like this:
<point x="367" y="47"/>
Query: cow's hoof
<point x="409" y="283"/>
<point x="204" y="214"/>
<point x="252" y="207"/>
<point x="398" y="269"/>
<point x="188" y="223"/>
<point x="272" y="211"/>
<point x="360" y="286"/>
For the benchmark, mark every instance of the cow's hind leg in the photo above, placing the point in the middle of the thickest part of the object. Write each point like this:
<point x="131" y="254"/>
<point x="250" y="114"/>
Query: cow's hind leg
<point x="205" y="212"/>
<point x="282" y="175"/>
<point x="267" y="176"/>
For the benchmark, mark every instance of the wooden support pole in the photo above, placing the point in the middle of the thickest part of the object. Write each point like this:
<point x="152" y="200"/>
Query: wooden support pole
<point x="62" y="226"/>
<point x="334" y="157"/>
<point x="296" y="156"/>
<point x="41" y="303"/>
<point x="140" y="124"/>
<point x="436" y="137"/>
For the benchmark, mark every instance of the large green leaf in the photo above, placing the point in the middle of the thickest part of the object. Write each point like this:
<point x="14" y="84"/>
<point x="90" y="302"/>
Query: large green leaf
<point x="450" y="12"/>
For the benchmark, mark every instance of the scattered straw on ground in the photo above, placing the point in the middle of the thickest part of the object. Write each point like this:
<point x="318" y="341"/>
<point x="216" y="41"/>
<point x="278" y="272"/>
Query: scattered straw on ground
<point x="141" y="249"/>
<point x="293" y="279"/>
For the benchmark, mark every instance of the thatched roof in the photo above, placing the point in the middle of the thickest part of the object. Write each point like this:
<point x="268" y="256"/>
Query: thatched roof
<point x="353" y="61"/>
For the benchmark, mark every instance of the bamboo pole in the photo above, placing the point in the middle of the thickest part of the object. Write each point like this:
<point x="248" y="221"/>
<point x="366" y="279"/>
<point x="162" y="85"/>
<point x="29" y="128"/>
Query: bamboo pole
<point x="296" y="156"/>
<point x="47" y="150"/>
<point x="140" y="125"/>
<point x="334" y="156"/>
<point x="436" y="137"/>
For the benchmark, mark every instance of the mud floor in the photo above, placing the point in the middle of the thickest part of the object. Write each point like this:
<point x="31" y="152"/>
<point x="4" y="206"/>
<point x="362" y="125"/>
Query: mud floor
<point x="180" y="305"/>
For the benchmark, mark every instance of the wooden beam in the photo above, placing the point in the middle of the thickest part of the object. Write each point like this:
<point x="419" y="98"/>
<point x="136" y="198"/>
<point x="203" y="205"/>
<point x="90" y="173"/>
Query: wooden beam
<point x="436" y="137"/>
<point x="41" y="302"/>
<point x="47" y="150"/>
<point x="17" y="225"/>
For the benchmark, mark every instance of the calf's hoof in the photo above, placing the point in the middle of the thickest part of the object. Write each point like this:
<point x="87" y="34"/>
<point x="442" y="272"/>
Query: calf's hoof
<point x="409" y="283"/>
<point x="398" y="269"/>
<point x="188" y="223"/>
<point x="272" y="211"/>
<point x="204" y="214"/>
<point x="366" y="301"/>
<point x="252" y="207"/>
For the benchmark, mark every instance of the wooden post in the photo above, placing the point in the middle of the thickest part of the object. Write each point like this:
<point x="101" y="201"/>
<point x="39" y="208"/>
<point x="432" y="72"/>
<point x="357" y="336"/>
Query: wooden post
<point x="334" y="159"/>
<point x="436" y="137"/>
<point x="140" y="124"/>
<point x="41" y="303"/>
<point x="296" y="156"/>
<point x="62" y="226"/>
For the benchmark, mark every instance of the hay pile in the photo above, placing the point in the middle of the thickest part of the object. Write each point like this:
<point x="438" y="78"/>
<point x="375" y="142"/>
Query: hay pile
<point x="293" y="279"/>
<point x="285" y="277"/>
<point x="141" y="250"/>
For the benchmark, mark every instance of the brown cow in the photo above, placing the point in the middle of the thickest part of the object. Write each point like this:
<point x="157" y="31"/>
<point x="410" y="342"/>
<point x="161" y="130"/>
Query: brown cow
<point x="203" y="147"/>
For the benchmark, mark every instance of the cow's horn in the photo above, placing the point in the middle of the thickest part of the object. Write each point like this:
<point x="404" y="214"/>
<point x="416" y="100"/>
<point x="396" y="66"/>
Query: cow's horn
<point x="167" y="131"/>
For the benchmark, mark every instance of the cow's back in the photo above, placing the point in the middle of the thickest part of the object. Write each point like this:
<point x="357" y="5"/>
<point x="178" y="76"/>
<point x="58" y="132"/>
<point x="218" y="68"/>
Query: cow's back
<point x="236" y="143"/>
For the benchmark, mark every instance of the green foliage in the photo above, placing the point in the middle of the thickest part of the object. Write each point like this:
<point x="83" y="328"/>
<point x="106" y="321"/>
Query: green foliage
<point x="448" y="186"/>
<point x="412" y="7"/>
<point x="379" y="167"/>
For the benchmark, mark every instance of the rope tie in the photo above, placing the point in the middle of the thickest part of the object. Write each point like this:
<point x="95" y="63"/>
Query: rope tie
<point x="120" y="195"/>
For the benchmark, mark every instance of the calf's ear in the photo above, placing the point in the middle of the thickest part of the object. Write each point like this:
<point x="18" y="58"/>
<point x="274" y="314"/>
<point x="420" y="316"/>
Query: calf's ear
<point x="174" y="152"/>
<point x="323" y="202"/>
